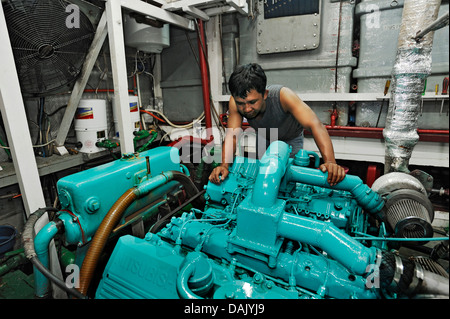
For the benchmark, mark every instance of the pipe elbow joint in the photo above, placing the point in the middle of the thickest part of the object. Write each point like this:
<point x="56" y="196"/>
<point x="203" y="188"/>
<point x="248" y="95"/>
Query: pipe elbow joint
<point x="45" y="235"/>
<point x="72" y="229"/>
<point x="273" y="166"/>
<point x="369" y="199"/>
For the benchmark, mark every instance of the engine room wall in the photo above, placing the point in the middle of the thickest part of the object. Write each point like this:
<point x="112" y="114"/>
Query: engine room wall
<point x="319" y="69"/>
<point x="351" y="55"/>
<point x="379" y="31"/>
<point x="180" y="79"/>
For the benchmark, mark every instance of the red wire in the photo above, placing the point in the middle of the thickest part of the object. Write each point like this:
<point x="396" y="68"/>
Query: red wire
<point x="150" y="113"/>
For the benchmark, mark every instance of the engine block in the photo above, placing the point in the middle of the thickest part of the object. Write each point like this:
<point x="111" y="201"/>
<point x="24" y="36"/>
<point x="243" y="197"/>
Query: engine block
<point x="273" y="229"/>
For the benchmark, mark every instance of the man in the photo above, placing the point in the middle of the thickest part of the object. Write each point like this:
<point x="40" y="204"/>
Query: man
<point x="274" y="107"/>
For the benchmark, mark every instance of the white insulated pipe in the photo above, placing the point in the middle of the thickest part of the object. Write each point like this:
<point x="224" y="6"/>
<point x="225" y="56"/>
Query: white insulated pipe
<point x="411" y="68"/>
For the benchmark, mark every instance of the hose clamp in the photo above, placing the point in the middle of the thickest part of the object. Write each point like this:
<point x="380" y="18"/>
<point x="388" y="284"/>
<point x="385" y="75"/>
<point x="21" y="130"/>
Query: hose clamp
<point x="417" y="278"/>
<point x="398" y="272"/>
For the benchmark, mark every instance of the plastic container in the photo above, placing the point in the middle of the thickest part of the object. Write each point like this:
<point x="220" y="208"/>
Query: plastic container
<point x="145" y="37"/>
<point x="134" y="115"/>
<point x="91" y="124"/>
<point x="7" y="239"/>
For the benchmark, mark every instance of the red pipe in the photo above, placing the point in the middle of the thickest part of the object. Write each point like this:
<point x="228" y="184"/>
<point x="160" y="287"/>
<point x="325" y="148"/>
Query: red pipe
<point x="205" y="79"/>
<point x="380" y="129"/>
<point x="432" y="131"/>
<point x="354" y="128"/>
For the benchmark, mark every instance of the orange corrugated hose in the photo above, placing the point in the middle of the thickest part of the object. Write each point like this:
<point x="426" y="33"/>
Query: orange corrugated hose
<point x="101" y="236"/>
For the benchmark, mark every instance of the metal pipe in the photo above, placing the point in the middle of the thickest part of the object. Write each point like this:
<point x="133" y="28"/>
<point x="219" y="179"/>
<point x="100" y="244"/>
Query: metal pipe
<point x="271" y="171"/>
<point x="30" y="253"/>
<point x="41" y="243"/>
<point x="380" y="129"/>
<point x="436" y="25"/>
<point x="182" y="282"/>
<point x="368" y="199"/>
<point x="434" y="284"/>
<point x="411" y="68"/>
<point x="349" y="252"/>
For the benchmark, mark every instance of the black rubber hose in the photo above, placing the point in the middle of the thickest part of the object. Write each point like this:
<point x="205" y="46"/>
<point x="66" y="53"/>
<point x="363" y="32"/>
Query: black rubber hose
<point x="193" y="193"/>
<point x="30" y="253"/>
<point x="190" y="187"/>
<point x="388" y="271"/>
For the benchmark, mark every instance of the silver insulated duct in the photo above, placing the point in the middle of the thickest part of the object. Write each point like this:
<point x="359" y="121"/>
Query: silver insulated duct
<point x="411" y="68"/>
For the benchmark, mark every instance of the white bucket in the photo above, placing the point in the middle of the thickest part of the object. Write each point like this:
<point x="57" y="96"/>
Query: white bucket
<point x="91" y="125"/>
<point x="134" y="114"/>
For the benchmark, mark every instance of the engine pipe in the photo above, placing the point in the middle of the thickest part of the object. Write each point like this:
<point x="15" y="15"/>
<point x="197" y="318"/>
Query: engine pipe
<point x="41" y="243"/>
<point x="411" y="68"/>
<point x="274" y="166"/>
<point x="271" y="171"/>
<point x="30" y="253"/>
<point x="182" y="282"/>
<point x="349" y="252"/>
<point x="367" y="198"/>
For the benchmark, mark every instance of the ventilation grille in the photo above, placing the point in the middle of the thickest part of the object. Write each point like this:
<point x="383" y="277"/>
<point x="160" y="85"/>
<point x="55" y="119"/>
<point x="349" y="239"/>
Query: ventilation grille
<point x="49" y="44"/>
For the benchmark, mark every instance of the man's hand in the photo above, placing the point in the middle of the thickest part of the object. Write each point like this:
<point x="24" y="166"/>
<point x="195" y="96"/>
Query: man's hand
<point x="336" y="173"/>
<point x="219" y="174"/>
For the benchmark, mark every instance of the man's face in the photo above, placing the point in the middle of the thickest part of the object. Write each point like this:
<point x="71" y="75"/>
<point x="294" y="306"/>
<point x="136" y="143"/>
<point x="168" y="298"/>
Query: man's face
<point x="253" y="104"/>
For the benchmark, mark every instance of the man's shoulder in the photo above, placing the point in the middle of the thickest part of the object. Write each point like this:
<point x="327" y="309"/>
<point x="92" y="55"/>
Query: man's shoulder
<point x="275" y="87"/>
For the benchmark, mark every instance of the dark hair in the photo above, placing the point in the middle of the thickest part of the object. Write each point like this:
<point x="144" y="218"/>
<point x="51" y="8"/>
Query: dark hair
<point x="245" y="78"/>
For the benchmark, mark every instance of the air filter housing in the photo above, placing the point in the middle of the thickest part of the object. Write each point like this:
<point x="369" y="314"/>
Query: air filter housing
<point x="409" y="213"/>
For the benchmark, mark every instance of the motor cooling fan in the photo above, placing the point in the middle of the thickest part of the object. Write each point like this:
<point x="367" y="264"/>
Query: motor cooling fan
<point x="49" y="44"/>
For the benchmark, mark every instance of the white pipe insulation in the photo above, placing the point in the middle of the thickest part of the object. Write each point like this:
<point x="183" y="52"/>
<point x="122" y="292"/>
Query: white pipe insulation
<point x="411" y="68"/>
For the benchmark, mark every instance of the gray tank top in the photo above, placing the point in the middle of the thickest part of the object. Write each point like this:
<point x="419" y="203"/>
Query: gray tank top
<point x="276" y="124"/>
